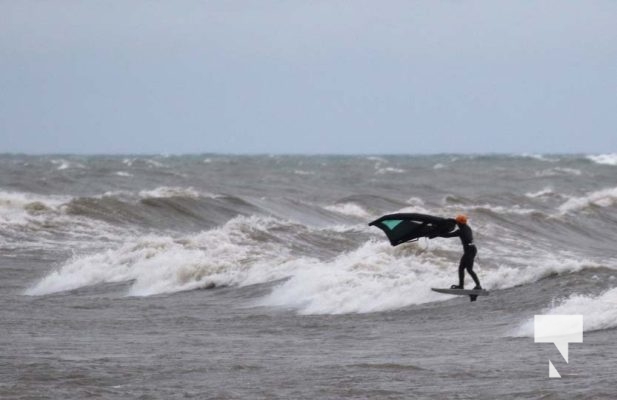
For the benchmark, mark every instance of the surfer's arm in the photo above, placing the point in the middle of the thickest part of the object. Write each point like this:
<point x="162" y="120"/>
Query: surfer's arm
<point x="451" y="234"/>
<point x="444" y="235"/>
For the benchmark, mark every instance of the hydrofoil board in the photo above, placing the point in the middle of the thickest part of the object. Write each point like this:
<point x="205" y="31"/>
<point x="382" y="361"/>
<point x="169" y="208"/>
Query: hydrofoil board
<point x="462" y="292"/>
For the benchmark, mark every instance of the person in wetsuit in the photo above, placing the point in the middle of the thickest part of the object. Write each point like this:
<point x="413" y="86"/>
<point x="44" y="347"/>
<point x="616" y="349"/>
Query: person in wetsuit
<point x="469" y="251"/>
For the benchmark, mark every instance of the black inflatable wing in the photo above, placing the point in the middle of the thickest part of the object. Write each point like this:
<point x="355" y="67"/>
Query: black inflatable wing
<point x="403" y="227"/>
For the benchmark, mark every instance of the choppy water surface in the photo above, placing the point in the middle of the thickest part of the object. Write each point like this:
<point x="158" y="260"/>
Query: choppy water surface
<point x="250" y="277"/>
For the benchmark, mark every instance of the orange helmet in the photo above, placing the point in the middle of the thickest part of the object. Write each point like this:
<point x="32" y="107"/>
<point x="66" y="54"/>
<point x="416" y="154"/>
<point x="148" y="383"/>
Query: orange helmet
<point x="461" y="219"/>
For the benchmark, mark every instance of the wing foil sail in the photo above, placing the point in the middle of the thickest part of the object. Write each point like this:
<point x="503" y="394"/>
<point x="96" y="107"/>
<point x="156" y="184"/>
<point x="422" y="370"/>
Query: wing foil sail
<point x="405" y="227"/>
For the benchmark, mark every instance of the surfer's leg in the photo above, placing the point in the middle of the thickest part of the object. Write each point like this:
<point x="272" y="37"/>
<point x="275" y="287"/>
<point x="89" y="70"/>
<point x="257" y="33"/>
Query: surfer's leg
<point x="469" y="266"/>
<point x="473" y="276"/>
<point x="461" y="272"/>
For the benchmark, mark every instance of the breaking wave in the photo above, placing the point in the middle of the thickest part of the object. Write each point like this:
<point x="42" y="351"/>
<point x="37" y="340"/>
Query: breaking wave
<point x="184" y="223"/>
<point x="558" y="171"/>
<point x="233" y="254"/>
<point x="544" y="193"/>
<point x="19" y="208"/>
<point x="252" y="250"/>
<point x="351" y="209"/>
<point x="606" y="159"/>
<point x="600" y="198"/>
<point x="599" y="312"/>
<point x="376" y="277"/>
<point x="166" y="192"/>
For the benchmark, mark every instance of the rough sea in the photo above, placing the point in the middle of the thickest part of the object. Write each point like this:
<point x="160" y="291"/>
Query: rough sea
<point x="257" y="277"/>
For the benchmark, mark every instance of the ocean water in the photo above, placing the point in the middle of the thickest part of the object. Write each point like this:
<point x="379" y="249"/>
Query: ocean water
<point x="257" y="277"/>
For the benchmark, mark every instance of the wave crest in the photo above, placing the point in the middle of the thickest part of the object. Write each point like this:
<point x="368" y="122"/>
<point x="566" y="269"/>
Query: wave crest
<point x="600" y="198"/>
<point x="599" y="312"/>
<point x="606" y="159"/>
<point x="235" y="253"/>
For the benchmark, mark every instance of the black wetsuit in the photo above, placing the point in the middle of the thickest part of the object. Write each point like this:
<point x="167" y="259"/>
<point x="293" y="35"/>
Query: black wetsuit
<point x="469" y="254"/>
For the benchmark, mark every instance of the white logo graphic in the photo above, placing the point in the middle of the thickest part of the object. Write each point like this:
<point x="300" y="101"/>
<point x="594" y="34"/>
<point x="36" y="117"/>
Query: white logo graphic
<point x="561" y="330"/>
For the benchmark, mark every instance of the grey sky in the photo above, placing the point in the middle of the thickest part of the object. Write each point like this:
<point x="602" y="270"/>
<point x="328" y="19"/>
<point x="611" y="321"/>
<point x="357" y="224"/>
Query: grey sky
<point x="308" y="76"/>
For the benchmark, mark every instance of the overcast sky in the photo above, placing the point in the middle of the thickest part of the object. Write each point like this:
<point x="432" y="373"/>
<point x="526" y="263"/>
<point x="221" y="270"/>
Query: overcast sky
<point x="308" y="76"/>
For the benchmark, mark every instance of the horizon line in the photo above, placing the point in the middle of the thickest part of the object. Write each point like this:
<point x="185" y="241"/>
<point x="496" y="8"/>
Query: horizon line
<point x="308" y="154"/>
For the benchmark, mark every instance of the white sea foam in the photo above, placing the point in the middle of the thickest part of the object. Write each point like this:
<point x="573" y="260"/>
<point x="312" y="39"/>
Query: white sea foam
<point x="515" y="209"/>
<point x="607" y="159"/>
<point x="599" y="312"/>
<point x="600" y="198"/>
<point x="511" y="274"/>
<point x="229" y="255"/>
<point x="389" y="170"/>
<point x="37" y="221"/>
<point x="158" y="193"/>
<point x="167" y="191"/>
<point x="541" y="193"/>
<point x="377" y="277"/>
<point x="63" y="164"/>
<point x="558" y="171"/>
<point x="381" y="170"/>
<point x="416" y="208"/>
<point x="154" y="163"/>
<point x="539" y="157"/>
<point x="351" y="209"/>
<point x="19" y="208"/>
<point x="416" y="205"/>
<point x="123" y="174"/>
<point x="373" y="277"/>
<point x="415" y="201"/>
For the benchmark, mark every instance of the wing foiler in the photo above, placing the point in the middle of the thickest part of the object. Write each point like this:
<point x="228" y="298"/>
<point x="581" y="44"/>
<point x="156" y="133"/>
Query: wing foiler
<point x="405" y="227"/>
